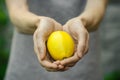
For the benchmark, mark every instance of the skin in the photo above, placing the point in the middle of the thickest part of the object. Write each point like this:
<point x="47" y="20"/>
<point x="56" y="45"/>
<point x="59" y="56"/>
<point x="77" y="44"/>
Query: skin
<point x="40" y="27"/>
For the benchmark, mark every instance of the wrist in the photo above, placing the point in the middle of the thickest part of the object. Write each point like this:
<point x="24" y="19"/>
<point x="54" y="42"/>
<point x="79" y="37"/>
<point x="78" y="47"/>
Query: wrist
<point x="24" y="21"/>
<point x="89" y="20"/>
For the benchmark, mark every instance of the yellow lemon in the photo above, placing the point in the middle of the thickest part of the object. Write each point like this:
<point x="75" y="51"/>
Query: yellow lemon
<point x="60" y="45"/>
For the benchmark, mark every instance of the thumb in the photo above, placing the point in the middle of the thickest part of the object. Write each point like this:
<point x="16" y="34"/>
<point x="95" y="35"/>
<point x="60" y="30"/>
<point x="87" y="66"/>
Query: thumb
<point x="57" y="26"/>
<point x="65" y="28"/>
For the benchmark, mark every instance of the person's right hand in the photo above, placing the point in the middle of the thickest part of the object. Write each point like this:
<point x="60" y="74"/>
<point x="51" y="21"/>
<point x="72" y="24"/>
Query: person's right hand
<point x="44" y="28"/>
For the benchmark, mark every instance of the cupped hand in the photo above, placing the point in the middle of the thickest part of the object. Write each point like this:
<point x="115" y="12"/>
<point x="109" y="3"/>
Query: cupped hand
<point x="80" y="35"/>
<point x="44" y="28"/>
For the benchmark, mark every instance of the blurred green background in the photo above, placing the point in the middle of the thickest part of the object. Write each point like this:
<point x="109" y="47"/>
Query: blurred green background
<point x="110" y="45"/>
<point x="4" y="37"/>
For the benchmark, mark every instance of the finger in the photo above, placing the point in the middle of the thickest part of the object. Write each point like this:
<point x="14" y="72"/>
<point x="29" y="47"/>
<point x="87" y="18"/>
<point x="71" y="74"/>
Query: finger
<point x="59" y="69"/>
<point x="59" y="65"/>
<point x="79" y="32"/>
<point x="82" y="43"/>
<point x="45" y="28"/>
<point x="49" y="65"/>
<point x="46" y="63"/>
<point x="65" y="28"/>
<point x="72" y="32"/>
<point x="40" y="57"/>
<point x="64" y="69"/>
<point x="39" y="46"/>
<point x="71" y="65"/>
<point x="57" y="62"/>
<point x="71" y="60"/>
<point x="87" y="45"/>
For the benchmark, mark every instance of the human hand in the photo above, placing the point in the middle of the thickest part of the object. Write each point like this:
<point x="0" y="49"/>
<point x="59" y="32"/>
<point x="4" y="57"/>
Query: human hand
<point x="45" y="27"/>
<point x="80" y="35"/>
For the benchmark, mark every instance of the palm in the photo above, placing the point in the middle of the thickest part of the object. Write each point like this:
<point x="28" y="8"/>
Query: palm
<point x="45" y="27"/>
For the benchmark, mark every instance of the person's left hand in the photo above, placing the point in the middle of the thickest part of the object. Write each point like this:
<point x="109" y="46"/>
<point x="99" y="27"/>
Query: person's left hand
<point x="80" y="35"/>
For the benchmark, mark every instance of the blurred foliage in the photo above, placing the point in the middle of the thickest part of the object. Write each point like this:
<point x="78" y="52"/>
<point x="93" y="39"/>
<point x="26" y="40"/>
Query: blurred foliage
<point x="115" y="75"/>
<point x="4" y="53"/>
<point x="3" y="16"/>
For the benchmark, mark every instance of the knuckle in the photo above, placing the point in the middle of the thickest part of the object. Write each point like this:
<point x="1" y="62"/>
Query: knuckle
<point x="81" y="47"/>
<point x="78" y="56"/>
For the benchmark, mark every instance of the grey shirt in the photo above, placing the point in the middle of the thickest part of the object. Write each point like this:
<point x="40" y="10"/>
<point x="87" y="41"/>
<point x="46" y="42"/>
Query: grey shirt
<point x="23" y="63"/>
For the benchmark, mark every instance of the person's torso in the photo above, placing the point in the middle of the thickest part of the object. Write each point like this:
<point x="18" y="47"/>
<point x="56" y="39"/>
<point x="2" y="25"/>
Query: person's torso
<point x="60" y="10"/>
<point x="23" y="64"/>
